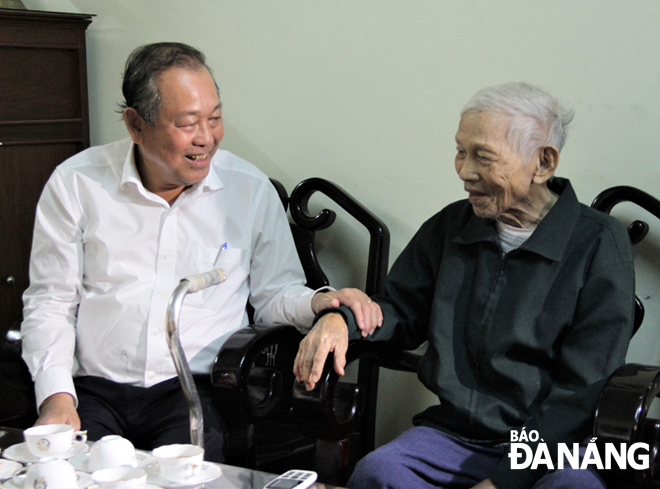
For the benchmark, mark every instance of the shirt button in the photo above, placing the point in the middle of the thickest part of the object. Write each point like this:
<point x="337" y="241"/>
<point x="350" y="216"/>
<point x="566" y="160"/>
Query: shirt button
<point x="152" y="375"/>
<point x="161" y="292"/>
<point x="166" y="256"/>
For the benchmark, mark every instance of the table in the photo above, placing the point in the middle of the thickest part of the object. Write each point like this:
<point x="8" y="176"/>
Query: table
<point x="231" y="478"/>
<point x="238" y="478"/>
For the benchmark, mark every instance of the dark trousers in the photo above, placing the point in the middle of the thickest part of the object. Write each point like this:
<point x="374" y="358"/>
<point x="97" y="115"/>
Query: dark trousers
<point x="147" y="416"/>
<point x="425" y="458"/>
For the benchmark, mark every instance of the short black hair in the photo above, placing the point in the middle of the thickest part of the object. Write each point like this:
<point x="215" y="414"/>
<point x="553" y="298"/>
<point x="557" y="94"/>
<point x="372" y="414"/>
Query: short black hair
<point x="143" y="66"/>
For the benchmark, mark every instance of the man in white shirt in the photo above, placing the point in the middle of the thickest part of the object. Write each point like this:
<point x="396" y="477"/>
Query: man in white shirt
<point x="119" y="225"/>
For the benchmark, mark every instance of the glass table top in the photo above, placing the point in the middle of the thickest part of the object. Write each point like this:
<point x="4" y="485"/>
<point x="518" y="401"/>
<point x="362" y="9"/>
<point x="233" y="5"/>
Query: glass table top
<point x="231" y="477"/>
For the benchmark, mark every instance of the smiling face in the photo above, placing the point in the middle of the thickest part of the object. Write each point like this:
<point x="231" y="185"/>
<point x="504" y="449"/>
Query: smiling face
<point x="499" y="183"/>
<point x="176" y="151"/>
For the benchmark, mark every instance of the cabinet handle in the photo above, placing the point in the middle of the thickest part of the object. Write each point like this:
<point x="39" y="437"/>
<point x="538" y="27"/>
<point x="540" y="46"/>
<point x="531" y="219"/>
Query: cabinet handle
<point x="11" y="281"/>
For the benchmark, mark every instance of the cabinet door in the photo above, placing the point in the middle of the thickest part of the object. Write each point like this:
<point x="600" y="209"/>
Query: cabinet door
<point x="43" y="120"/>
<point x="24" y="170"/>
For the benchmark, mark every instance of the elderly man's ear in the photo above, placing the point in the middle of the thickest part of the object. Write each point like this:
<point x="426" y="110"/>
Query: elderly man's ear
<point x="134" y="124"/>
<point x="546" y="164"/>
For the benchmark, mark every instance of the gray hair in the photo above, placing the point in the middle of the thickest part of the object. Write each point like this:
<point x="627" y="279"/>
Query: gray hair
<point x="145" y="63"/>
<point x="536" y="117"/>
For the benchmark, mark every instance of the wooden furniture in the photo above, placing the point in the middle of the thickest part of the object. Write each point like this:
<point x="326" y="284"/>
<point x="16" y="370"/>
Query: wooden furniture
<point x="273" y="424"/>
<point x="622" y="414"/>
<point x="334" y="412"/>
<point x="43" y="120"/>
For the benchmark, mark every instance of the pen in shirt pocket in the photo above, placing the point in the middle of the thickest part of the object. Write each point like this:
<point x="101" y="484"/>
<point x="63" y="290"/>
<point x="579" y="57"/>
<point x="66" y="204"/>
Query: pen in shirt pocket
<point x="217" y="257"/>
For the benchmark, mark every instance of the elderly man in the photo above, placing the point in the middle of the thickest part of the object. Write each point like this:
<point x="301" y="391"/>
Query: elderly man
<point x="119" y="225"/>
<point x="524" y="295"/>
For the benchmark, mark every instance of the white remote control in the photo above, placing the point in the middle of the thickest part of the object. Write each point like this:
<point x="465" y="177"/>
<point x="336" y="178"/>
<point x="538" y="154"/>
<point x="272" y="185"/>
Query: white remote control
<point x="293" y="479"/>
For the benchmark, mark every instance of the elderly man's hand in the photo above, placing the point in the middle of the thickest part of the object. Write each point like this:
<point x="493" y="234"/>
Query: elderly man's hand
<point x="329" y="334"/>
<point x="367" y="313"/>
<point x="485" y="484"/>
<point x="59" y="409"/>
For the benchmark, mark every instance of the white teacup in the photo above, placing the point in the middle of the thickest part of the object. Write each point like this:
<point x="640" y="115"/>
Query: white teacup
<point x="179" y="463"/>
<point x="120" y="478"/>
<point x="111" y="451"/>
<point x="52" y="440"/>
<point x="50" y="473"/>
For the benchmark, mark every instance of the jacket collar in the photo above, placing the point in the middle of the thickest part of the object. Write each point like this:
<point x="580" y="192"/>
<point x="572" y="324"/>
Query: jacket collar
<point x="550" y="237"/>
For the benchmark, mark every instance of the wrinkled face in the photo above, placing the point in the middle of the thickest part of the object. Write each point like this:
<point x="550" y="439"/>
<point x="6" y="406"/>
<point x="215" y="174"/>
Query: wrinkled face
<point x="177" y="150"/>
<point x="494" y="174"/>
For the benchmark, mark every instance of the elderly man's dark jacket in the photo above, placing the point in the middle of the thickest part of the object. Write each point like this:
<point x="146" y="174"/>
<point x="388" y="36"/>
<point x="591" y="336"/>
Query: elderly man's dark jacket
<point x="525" y="338"/>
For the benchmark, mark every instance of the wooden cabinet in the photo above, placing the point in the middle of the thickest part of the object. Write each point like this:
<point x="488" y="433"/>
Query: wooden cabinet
<point x="43" y="120"/>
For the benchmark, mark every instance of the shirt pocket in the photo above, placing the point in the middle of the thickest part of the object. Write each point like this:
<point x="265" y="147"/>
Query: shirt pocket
<point x="233" y="261"/>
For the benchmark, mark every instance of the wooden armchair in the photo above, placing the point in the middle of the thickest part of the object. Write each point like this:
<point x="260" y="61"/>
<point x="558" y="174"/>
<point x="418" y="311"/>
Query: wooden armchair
<point x="330" y="414"/>
<point x="274" y="424"/>
<point x="623" y="407"/>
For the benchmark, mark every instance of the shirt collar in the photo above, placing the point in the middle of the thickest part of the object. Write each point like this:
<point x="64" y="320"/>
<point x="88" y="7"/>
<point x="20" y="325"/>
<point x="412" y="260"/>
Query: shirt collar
<point x="213" y="180"/>
<point x="130" y="175"/>
<point x="551" y="235"/>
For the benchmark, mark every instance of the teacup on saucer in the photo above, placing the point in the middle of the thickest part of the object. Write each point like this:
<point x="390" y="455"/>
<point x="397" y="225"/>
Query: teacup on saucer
<point x="21" y="453"/>
<point x="81" y="461"/>
<point x="51" y="473"/>
<point x="52" y="440"/>
<point x="111" y="451"/>
<point x="179" y="463"/>
<point x="207" y="472"/>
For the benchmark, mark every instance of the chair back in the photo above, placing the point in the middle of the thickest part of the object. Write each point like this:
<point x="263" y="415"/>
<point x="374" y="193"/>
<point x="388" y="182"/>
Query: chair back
<point x="623" y="407"/>
<point x="637" y="230"/>
<point x="255" y="364"/>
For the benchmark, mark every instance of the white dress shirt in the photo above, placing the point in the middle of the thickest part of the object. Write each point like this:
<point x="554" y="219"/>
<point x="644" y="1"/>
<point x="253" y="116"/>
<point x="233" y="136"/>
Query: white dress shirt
<point x="107" y="254"/>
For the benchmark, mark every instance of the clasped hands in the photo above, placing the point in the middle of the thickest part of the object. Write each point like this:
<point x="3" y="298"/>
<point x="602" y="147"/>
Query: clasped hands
<point x="367" y="313"/>
<point x="330" y="333"/>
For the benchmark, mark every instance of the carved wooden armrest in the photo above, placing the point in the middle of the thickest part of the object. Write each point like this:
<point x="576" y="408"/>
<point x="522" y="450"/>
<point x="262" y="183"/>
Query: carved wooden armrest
<point x="622" y="413"/>
<point x="255" y="368"/>
<point x="332" y="410"/>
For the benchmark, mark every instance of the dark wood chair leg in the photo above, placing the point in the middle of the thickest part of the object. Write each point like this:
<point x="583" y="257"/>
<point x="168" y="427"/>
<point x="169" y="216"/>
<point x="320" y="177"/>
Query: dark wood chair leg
<point x="331" y="458"/>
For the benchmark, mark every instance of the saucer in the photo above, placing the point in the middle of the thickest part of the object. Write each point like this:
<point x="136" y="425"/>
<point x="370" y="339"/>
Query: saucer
<point x="84" y="481"/>
<point x="7" y="468"/>
<point x="20" y="453"/>
<point x="81" y="461"/>
<point x="207" y="472"/>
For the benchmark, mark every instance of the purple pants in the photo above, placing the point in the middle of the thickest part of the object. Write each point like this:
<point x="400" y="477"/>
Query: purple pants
<point x="423" y="458"/>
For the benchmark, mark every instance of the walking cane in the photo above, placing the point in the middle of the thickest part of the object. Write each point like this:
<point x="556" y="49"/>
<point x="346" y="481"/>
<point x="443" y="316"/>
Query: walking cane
<point x="189" y="285"/>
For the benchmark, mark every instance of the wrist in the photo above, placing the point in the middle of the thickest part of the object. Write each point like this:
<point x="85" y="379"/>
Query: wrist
<point x="331" y="310"/>
<point x="318" y="299"/>
<point x="59" y="399"/>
